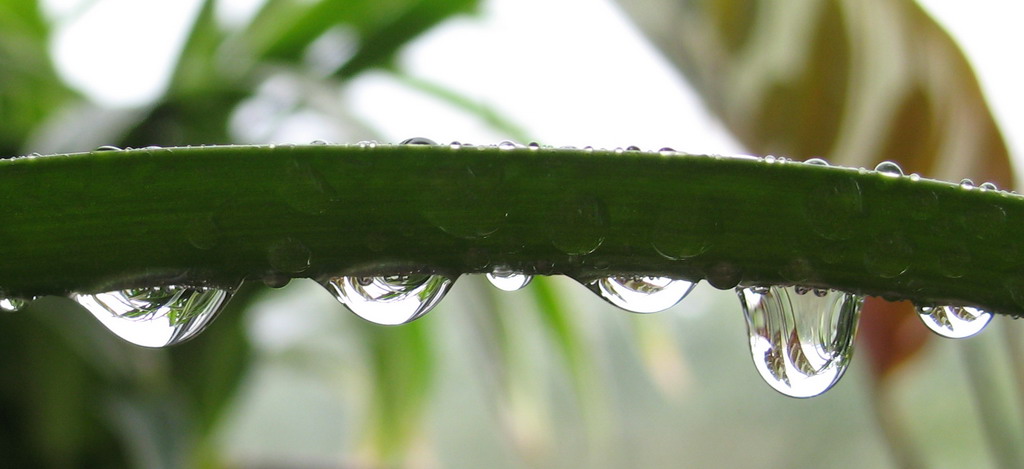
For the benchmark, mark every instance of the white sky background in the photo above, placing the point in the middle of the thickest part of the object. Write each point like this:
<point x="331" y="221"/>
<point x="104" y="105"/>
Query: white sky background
<point x="581" y="75"/>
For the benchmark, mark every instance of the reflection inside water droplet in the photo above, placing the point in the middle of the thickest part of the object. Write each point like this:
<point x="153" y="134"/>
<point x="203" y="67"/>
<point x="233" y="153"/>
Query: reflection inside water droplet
<point x="641" y="294"/>
<point x="954" y="322"/>
<point x="156" y="316"/>
<point x="801" y="342"/>
<point x="392" y="299"/>
<point x="10" y="305"/>
<point x="507" y="279"/>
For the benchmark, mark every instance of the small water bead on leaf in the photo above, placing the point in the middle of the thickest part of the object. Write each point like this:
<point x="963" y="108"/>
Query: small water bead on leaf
<point x="889" y="168"/>
<point x="632" y="148"/>
<point x="507" y="279"/>
<point x="954" y="322"/>
<point x="667" y="151"/>
<point x="367" y="144"/>
<point x="583" y="223"/>
<point x="641" y="294"/>
<point x="418" y="141"/>
<point x="107" y="148"/>
<point x="156" y="316"/>
<point x="389" y="300"/>
<point x="769" y="159"/>
<point x="988" y="186"/>
<point x="533" y="146"/>
<point x="455" y="145"/>
<point x="966" y="184"/>
<point x="817" y="162"/>
<point x="507" y="145"/>
<point x="801" y="340"/>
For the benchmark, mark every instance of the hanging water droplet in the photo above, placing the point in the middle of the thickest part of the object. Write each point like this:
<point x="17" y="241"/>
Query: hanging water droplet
<point x="966" y="184"/>
<point x="834" y="206"/>
<point x="156" y="316"/>
<point x="817" y="162"/>
<point x="954" y="322"/>
<point x="801" y="344"/>
<point x="11" y="304"/>
<point x="889" y="168"/>
<point x="418" y="141"/>
<point x="107" y="148"/>
<point x="641" y="294"/>
<point x="507" y="279"/>
<point x="389" y="300"/>
<point x="507" y="145"/>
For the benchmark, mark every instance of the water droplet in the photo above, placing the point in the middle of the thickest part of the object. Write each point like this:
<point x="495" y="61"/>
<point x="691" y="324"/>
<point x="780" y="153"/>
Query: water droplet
<point x="288" y="255"/>
<point x="389" y="300"/>
<point x="988" y="186"/>
<point x="367" y="144"/>
<point x="632" y="148"/>
<point x="318" y="142"/>
<point x="769" y="159"/>
<point x="469" y="202"/>
<point x="305" y="189"/>
<point x="156" y="316"/>
<point x="889" y="256"/>
<point x="455" y="145"/>
<point x="801" y="344"/>
<point x="588" y="149"/>
<point x="11" y="304"/>
<point x="723" y="275"/>
<point x="507" y="145"/>
<point x="203" y="232"/>
<point x="583" y="222"/>
<point x="507" y="279"/>
<point x="833" y="207"/>
<point x="107" y="148"/>
<point x="533" y="146"/>
<point x="954" y="322"/>
<point x="641" y="294"/>
<point x="418" y="141"/>
<point x="817" y="162"/>
<point x="684" y="230"/>
<point x="966" y="184"/>
<point x="889" y="168"/>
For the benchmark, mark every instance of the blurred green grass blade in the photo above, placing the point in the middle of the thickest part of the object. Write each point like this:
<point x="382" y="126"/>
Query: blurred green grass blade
<point x="460" y="101"/>
<point x="567" y="337"/>
<point x="401" y="364"/>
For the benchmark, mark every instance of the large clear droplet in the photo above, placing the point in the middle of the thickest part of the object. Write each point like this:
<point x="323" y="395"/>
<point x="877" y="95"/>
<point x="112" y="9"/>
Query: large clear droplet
<point x="801" y="339"/>
<point x="156" y="316"/>
<point x="641" y="294"/>
<point x="392" y="299"/>
<point x="507" y="279"/>
<point x="954" y="322"/>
